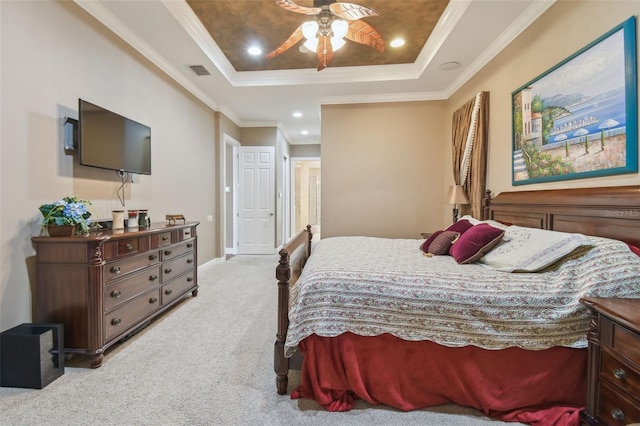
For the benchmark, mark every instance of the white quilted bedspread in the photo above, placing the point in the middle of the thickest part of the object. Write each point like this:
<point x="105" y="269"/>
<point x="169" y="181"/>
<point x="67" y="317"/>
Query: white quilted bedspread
<point x="370" y="286"/>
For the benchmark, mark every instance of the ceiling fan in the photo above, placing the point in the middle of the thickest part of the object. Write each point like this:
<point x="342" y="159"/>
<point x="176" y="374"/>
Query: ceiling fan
<point x="333" y="21"/>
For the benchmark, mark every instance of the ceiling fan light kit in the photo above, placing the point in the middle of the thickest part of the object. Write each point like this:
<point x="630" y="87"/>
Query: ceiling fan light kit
<point x="333" y="22"/>
<point x="310" y="31"/>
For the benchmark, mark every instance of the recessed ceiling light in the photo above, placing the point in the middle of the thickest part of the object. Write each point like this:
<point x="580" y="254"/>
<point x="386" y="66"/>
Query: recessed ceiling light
<point x="448" y="66"/>
<point x="304" y="132"/>
<point x="397" y="42"/>
<point x="254" y="51"/>
<point x="297" y="114"/>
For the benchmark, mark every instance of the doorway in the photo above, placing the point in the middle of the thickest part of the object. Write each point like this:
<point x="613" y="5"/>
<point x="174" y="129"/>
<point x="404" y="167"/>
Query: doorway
<point x="306" y="203"/>
<point x="230" y="195"/>
<point x="256" y="200"/>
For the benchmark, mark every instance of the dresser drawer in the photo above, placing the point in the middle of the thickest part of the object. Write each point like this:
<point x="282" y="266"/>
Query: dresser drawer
<point x="616" y="408"/>
<point x="162" y="239"/>
<point x="619" y="374"/>
<point x="177" y="287"/>
<point x="177" y="266"/>
<point x="119" y="268"/>
<point x="626" y="343"/>
<point x="125" y="247"/>
<point x="187" y="233"/>
<point x="119" y="320"/>
<point x="122" y="291"/>
<point x="177" y="250"/>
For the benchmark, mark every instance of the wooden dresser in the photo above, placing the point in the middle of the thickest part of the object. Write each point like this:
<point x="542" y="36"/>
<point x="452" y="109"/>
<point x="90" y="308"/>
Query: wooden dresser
<point x="105" y="285"/>
<point x="613" y="396"/>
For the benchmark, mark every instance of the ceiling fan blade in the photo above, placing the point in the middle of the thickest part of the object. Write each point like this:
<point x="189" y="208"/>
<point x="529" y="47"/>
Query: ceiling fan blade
<point x="351" y="11"/>
<point x="289" y="43"/>
<point x="363" y="33"/>
<point x="292" y="7"/>
<point x="325" y="52"/>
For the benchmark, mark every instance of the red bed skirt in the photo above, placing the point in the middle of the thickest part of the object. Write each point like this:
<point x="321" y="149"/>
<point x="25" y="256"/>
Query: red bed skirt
<point x="545" y="387"/>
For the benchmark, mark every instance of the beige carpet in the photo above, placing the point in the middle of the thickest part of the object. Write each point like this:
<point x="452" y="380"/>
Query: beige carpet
<point x="209" y="361"/>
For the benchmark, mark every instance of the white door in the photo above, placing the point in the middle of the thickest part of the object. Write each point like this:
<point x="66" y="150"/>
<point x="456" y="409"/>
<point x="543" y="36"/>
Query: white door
<point x="257" y="200"/>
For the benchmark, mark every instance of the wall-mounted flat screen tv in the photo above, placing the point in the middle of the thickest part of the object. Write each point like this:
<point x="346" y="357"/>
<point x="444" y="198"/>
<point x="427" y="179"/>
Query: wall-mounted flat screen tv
<point x="111" y="141"/>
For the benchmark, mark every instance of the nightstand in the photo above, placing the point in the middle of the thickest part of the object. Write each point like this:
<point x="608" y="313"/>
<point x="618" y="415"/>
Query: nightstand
<point x="613" y="394"/>
<point x="426" y="235"/>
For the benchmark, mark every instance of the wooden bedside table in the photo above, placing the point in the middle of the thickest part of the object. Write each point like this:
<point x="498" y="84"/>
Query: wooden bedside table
<point x="613" y="394"/>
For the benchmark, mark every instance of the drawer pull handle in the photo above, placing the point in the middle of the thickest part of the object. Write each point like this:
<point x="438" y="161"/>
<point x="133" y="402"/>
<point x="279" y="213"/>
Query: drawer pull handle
<point x="165" y="238"/>
<point x="153" y="300"/>
<point x="168" y="291"/>
<point x="115" y="270"/>
<point x="189" y="245"/>
<point x="153" y="257"/>
<point x="187" y="233"/>
<point x="167" y="252"/>
<point x="116" y="321"/>
<point x="116" y="293"/>
<point x="617" y="414"/>
<point x="619" y="374"/>
<point x="153" y="277"/>
<point x="167" y="271"/>
<point x="189" y="260"/>
<point x="129" y="247"/>
<point x="189" y="279"/>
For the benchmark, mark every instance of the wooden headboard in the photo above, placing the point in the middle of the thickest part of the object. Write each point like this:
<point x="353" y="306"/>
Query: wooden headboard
<point x="612" y="212"/>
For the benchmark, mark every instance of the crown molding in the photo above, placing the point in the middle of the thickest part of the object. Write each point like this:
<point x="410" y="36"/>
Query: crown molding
<point x="445" y="25"/>
<point x="381" y="98"/>
<point x="516" y="28"/>
<point x="104" y="16"/>
<point x="185" y="16"/>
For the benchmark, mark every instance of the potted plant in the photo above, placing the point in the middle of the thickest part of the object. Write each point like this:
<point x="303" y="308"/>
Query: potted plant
<point x="66" y="217"/>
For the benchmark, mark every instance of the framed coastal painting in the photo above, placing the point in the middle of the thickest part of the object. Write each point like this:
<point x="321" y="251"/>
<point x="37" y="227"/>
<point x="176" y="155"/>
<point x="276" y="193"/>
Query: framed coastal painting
<point x="579" y="119"/>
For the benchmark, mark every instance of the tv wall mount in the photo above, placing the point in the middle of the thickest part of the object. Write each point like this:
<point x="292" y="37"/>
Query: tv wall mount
<point x="70" y="126"/>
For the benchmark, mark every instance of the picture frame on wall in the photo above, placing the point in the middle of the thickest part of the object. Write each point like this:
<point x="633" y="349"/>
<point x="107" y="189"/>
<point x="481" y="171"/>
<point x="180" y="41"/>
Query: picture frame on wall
<point x="579" y="119"/>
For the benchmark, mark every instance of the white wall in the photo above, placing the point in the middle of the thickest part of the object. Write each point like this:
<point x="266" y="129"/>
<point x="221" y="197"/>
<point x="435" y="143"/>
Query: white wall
<point x="52" y="54"/>
<point x="382" y="169"/>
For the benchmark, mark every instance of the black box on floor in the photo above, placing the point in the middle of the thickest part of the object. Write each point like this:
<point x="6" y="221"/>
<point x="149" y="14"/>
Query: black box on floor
<point x="31" y="355"/>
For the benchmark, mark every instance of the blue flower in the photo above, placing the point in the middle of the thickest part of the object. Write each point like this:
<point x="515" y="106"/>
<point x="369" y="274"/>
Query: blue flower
<point x="67" y="211"/>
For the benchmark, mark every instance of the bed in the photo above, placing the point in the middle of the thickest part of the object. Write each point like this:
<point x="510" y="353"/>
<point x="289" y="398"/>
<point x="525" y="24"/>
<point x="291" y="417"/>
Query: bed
<point x="534" y="381"/>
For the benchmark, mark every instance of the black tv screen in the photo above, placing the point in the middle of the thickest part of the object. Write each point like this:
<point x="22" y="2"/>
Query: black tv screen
<point x="111" y="141"/>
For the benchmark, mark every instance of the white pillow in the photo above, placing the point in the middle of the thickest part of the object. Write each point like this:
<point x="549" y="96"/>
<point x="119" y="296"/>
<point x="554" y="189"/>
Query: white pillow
<point x="472" y="220"/>
<point x="530" y="249"/>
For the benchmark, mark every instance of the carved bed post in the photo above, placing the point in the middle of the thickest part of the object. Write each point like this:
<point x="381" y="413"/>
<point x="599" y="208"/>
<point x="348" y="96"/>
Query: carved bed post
<point x="284" y="274"/>
<point x="590" y="412"/>
<point x="281" y="363"/>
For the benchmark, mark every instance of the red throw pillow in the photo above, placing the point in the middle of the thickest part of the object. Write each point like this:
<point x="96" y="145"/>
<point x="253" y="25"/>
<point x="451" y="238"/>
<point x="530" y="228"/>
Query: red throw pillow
<point x="460" y="226"/>
<point x="475" y="242"/>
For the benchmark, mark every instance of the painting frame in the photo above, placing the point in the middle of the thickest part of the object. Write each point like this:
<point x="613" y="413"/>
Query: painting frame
<point x="582" y="102"/>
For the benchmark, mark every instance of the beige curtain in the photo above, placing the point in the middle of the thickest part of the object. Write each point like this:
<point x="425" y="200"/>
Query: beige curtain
<point x="470" y="131"/>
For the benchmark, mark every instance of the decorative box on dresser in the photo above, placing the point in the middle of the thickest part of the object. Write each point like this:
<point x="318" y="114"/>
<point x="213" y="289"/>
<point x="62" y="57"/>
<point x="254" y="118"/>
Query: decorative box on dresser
<point x="613" y="394"/>
<point x="105" y="285"/>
